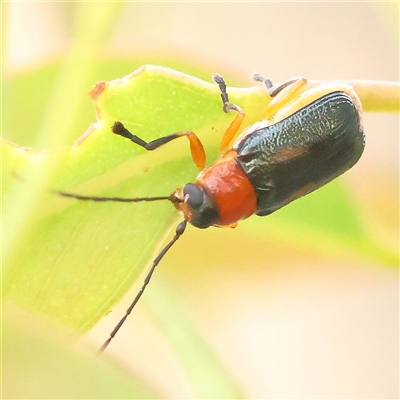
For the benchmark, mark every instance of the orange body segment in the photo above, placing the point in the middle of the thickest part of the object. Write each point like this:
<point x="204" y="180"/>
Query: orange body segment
<point x="232" y="192"/>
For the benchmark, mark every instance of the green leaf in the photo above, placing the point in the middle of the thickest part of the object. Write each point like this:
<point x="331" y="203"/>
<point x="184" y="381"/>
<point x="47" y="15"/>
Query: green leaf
<point x="74" y="259"/>
<point x="71" y="260"/>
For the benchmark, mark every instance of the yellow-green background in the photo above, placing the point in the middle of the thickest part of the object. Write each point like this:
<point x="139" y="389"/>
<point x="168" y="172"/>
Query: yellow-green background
<point x="286" y="312"/>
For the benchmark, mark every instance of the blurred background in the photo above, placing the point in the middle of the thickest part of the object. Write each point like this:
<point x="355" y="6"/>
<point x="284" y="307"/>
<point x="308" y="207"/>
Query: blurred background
<point x="287" y="321"/>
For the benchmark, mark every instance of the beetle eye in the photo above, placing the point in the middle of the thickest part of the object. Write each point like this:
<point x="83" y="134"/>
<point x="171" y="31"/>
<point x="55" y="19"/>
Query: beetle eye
<point x="193" y="195"/>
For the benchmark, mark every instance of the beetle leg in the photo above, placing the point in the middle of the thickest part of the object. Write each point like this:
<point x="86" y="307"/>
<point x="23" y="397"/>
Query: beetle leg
<point x="281" y="95"/>
<point x="196" y="147"/>
<point x="234" y="126"/>
<point x="267" y="83"/>
<point x="303" y="99"/>
<point x="273" y="91"/>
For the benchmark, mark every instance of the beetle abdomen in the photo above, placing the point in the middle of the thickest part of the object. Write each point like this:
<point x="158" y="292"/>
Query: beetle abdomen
<point x="302" y="152"/>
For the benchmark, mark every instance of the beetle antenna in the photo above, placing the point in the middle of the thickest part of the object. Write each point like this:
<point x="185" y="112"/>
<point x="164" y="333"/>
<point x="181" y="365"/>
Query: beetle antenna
<point x="178" y="233"/>
<point x="172" y="198"/>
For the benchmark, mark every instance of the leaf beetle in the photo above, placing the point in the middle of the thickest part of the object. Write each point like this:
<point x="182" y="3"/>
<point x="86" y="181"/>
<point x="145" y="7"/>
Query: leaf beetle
<point x="305" y="139"/>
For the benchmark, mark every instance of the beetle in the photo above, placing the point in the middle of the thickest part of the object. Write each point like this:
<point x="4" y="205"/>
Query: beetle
<point x="304" y="140"/>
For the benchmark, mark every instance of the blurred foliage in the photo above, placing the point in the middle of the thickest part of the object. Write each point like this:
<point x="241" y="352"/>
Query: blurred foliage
<point x="71" y="260"/>
<point x="67" y="262"/>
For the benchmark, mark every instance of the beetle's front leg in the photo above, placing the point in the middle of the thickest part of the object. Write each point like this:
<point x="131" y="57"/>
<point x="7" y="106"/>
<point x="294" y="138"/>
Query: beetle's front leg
<point x="196" y="147"/>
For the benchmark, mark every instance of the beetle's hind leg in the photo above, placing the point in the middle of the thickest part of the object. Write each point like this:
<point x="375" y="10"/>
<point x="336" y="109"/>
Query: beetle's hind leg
<point x="228" y="107"/>
<point x="267" y="83"/>
<point x="281" y="95"/>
